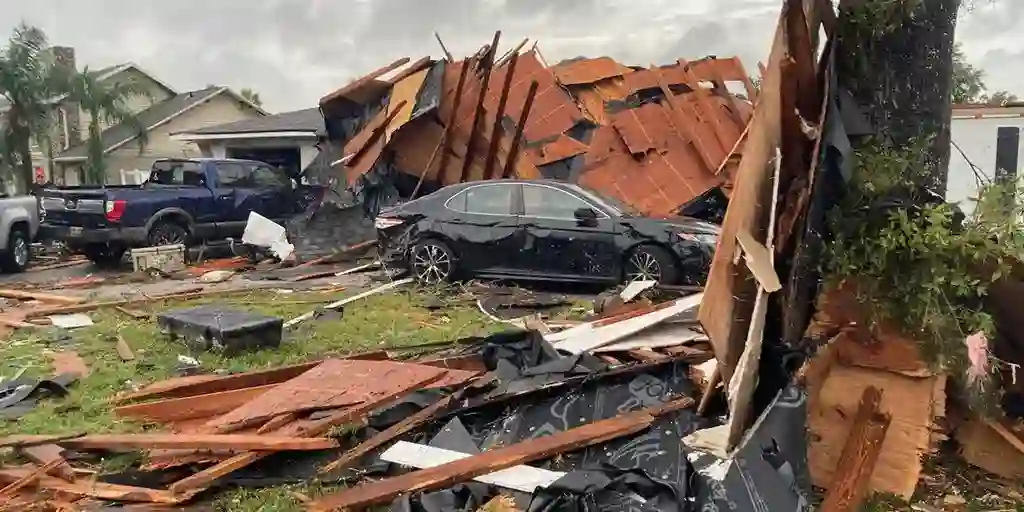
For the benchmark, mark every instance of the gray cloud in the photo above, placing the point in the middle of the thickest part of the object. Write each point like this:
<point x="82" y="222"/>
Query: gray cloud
<point x="294" y="51"/>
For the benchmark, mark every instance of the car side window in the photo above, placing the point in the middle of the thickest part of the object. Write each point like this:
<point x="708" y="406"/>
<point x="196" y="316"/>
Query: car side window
<point x="489" y="199"/>
<point x="457" y="202"/>
<point x="231" y="174"/>
<point x="550" y="203"/>
<point x="264" y="176"/>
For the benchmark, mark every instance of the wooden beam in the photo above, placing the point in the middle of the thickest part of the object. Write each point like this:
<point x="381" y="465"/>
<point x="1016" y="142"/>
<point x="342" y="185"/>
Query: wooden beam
<point x="195" y="293"/>
<point x="497" y="131"/>
<point x="539" y="448"/>
<point x="22" y="441"/>
<point x="410" y="70"/>
<point x="478" y="113"/>
<point x="850" y="482"/>
<point x="50" y="453"/>
<point x="449" y="126"/>
<point x="11" y="490"/>
<point x="389" y="434"/>
<point x="199" y="442"/>
<point x="511" y="53"/>
<point x="517" y="139"/>
<point x="373" y="129"/>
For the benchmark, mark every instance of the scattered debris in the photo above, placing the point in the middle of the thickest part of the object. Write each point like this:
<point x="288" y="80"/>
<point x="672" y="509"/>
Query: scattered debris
<point x="227" y="330"/>
<point x="164" y="258"/>
<point x="263" y="232"/>
<point x="124" y="351"/>
<point x="71" y="321"/>
<point x="69" y="362"/>
<point x="341" y="303"/>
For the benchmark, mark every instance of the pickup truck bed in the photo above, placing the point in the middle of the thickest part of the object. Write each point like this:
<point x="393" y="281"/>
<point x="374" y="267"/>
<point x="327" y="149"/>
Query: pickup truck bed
<point x="185" y="201"/>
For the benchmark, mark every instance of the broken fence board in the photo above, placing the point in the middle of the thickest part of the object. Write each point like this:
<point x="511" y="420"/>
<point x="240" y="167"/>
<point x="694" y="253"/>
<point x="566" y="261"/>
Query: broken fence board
<point x="199" y="442"/>
<point x="661" y="336"/>
<point x="849" y="485"/>
<point x="539" y="448"/>
<point x="50" y="455"/>
<point x="520" y="478"/>
<point x="40" y="296"/>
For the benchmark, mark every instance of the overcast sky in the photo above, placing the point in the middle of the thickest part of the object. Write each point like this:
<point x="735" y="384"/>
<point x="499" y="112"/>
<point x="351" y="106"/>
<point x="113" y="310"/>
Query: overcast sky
<point x="294" y="51"/>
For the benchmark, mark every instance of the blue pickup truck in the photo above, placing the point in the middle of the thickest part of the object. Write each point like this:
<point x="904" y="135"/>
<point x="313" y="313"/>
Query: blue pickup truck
<point x="183" y="201"/>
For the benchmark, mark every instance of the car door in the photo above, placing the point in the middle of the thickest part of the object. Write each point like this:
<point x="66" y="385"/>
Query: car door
<point x="233" y="198"/>
<point x="481" y="221"/>
<point x="271" y="192"/>
<point x="557" y="244"/>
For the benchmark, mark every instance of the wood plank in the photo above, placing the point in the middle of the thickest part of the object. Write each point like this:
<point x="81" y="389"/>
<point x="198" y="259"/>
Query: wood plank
<point x="196" y="293"/>
<point x="497" y="459"/>
<point x="389" y="434"/>
<point x="204" y="478"/>
<point x="363" y="80"/>
<point x="404" y="93"/>
<point x="46" y="454"/>
<point x="124" y="351"/>
<point x="860" y="453"/>
<point x="277" y="422"/>
<point x="333" y="384"/>
<point x="198" y="442"/>
<point x="588" y="337"/>
<point x="373" y="129"/>
<point x="206" y="384"/>
<point x="719" y="312"/>
<point x="518" y="478"/>
<point x="21" y="441"/>
<point x="760" y="262"/>
<point x="12" y="489"/>
<point x="201" y="406"/>
<point x="646" y="355"/>
<point x="40" y="296"/>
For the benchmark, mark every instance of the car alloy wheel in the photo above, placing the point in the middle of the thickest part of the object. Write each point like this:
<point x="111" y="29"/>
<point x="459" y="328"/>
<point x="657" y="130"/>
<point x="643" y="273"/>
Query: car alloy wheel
<point x="20" y="251"/>
<point x="643" y="266"/>
<point x="431" y="263"/>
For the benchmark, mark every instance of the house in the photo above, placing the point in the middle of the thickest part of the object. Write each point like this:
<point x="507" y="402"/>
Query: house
<point x="163" y="111"/>
<point x="985" y="144"/>
<point x="288" y="140"/>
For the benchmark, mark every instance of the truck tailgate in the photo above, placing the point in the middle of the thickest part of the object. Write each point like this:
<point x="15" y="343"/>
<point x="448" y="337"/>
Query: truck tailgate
<point x="74" y="207"/>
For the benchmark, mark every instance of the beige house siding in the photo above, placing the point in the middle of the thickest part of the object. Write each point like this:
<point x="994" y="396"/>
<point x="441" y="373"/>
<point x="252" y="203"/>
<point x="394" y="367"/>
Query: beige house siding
<point x="221" y="109"/>
<point x="137" y="103"/>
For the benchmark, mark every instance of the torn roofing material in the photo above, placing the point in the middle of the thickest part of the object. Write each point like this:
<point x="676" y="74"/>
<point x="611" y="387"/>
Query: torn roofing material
<point x="655" y="138"/>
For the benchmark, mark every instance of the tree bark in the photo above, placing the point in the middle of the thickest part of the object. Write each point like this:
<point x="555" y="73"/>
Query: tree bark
<point x="900" y="72"/>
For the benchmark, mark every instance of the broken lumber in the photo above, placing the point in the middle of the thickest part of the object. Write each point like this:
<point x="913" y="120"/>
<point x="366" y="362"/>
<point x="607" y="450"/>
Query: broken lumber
<point x="388" y="434"/>
<point x="204" y="478"/>
<point x="519" y="478"/>
<point x="860" y="453"/>
<point x="9" y="491"/>
<point x="269" y="443"/>
<point x="21" y="441"/>
<point x="50" y="455"/>
<point x="497" y="459"/>
<point x="201" y="406"/>
<point x="90" y="306"/>
<point x="40" y="296"/>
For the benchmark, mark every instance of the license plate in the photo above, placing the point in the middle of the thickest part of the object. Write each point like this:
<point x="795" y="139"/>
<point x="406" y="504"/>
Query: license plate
<point x="76" y="232"/>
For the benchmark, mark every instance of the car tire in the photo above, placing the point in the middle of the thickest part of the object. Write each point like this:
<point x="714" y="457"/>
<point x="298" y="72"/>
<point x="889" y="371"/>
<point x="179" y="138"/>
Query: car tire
<point x="432" y="262"/>
<point x="104" y="255"/>
<point x="19" y="252"/>
<point x="650" y="262"/>
<point x="167" y="233"/>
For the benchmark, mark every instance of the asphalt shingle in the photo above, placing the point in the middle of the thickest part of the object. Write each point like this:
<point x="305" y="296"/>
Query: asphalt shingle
<point x="306" y="120"/>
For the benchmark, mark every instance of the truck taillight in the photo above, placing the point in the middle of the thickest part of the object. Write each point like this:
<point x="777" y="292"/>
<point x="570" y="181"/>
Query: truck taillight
<point x="115" y="209"/>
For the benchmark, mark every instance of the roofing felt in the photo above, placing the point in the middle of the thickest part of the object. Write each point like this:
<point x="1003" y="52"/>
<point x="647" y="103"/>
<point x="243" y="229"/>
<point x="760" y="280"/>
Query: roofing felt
<point x="305" y="120"/>
<point x="153" y="115"/>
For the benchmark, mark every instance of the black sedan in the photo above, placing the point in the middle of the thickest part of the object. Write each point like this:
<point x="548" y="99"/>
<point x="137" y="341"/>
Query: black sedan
<point x="540" y="229"/>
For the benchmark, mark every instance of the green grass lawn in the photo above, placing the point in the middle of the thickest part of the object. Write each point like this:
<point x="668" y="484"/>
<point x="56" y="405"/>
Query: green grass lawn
<point x="393" y="318"/>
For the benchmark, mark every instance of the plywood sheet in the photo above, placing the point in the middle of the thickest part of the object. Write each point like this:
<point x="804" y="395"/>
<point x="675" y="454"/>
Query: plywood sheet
<point x="911" y="402"/>
<point x="332" y="384"/>
<point x="553" y="112"/>
<point x="405" y="90"/>
<point x="586" y="71"/>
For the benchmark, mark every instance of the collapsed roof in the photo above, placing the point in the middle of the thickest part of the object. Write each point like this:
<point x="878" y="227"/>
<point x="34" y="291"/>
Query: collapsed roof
<point x="656" y="138"/>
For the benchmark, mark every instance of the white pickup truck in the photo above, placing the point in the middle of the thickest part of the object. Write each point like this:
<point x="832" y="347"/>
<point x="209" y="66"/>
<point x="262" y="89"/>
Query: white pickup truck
<point x="19" y="225"/>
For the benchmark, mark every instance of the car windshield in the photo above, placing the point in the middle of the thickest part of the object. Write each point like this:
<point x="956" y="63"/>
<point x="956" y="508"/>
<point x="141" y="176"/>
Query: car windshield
<point x="609" y="202"/>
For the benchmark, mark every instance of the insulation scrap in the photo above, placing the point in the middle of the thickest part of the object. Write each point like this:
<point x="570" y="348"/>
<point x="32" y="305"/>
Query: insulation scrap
<point x="654" y="138"/>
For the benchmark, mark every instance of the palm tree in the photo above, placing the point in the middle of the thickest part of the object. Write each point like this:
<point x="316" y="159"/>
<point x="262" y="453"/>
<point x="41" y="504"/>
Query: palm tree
<point x="252" y="96"/>
<point x="106" y="103"/>
<point x="27" y="83"/>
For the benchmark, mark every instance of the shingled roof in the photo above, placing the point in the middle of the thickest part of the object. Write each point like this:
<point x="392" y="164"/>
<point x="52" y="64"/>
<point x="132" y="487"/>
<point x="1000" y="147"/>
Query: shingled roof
<point x="306" y="120"/>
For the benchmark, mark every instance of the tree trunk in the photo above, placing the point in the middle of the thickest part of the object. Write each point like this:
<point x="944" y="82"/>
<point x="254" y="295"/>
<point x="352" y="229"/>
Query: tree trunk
<point x="899" y="68"/>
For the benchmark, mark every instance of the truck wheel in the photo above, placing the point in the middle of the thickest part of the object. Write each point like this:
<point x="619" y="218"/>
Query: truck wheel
<point x="18" y="252"/>
<point x="104" y="255"/>
<point x="167" y="233"/>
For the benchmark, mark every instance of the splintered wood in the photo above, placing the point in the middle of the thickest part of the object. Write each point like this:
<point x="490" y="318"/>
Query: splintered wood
<point x="332" y="384"/>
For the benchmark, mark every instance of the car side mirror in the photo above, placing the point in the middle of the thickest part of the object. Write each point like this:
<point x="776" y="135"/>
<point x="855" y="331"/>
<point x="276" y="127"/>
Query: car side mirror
<point x="586" y="216"/>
